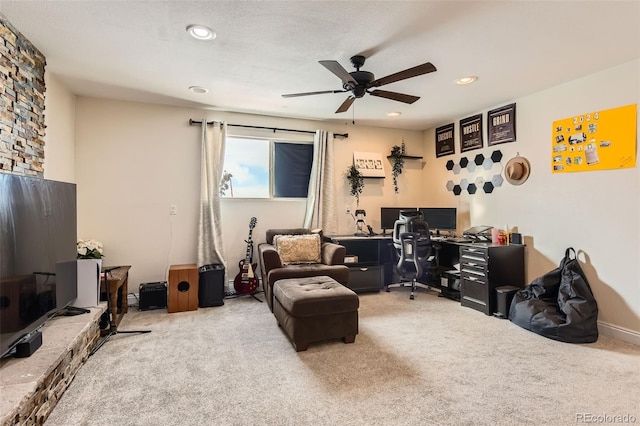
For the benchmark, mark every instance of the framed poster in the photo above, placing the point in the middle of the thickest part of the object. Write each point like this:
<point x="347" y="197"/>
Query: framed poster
<point x="597" y="140"/>
<point x="471" y="133"/>
<point x="445" y="144"/>
<point x="501" y="125"/>
<point x="369" y="164"/>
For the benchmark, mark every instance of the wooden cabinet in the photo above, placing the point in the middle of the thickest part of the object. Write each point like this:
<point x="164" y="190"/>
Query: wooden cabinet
<point x="483" y="268"/>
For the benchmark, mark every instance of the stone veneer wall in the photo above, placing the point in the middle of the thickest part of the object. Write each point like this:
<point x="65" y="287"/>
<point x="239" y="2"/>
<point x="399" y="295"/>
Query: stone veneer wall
<point x="34" y="404"/>
<point x="22" y="88"/>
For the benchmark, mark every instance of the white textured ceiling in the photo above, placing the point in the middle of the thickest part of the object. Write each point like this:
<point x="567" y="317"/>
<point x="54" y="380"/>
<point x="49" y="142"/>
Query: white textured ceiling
<point x="139" y="50"/>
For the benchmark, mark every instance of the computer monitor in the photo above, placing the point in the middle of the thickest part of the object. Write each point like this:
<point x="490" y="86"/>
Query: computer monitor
<point x="389" y="215"/>
<point x="440" y="218"/>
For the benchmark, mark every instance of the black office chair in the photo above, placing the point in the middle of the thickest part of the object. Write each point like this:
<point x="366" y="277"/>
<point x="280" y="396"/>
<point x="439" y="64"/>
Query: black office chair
<point x="415" y="251"/>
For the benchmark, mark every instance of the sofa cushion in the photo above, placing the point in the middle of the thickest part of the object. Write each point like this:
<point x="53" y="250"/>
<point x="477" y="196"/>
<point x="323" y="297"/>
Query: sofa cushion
<point x="295" y="249"/>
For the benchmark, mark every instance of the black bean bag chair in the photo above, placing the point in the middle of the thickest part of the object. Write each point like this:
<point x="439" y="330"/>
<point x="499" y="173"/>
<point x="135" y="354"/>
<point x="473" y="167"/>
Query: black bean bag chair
<point x="558" y="305"/>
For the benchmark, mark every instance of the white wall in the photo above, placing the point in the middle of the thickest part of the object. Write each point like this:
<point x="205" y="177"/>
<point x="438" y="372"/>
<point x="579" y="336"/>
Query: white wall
<point x="134" y="160"/>
<point x="59" y="140"/>
<point x="597" y="212"/>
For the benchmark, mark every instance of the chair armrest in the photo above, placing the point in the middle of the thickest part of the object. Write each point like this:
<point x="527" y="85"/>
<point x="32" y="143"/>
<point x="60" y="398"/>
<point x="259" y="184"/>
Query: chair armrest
<point x="333" y="254"/>
<point x="269" y="257"/>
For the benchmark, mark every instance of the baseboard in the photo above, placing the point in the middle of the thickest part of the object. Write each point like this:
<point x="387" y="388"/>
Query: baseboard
<point x="619" y="332"/>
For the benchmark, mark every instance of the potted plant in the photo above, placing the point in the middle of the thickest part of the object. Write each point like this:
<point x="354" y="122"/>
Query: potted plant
<point x="397" y="160"/>
<point x="356" y="182"/>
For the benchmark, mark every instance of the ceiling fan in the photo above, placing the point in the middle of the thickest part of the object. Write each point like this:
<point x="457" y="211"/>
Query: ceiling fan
<point x="361" y="82"/>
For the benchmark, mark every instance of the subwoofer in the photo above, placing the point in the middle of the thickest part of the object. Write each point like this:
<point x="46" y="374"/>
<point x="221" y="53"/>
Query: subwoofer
<point x="183" y="288"/>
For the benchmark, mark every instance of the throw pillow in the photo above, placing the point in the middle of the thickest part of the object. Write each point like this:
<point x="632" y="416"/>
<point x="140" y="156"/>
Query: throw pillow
<point x="298" y="248"/>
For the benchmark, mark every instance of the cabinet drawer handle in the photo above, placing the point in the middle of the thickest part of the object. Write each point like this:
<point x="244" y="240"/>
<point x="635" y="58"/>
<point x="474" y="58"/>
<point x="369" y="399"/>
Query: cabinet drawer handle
<point x="364" y="269"/>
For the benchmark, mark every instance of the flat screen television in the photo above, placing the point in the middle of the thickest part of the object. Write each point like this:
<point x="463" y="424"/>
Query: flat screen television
<point x="389" y="215"/>
<point x="38" y="272"/>
<point x="440" y="218"/>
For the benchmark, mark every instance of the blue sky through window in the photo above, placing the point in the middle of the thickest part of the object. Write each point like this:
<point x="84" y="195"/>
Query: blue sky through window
<point x="248" y="161"/>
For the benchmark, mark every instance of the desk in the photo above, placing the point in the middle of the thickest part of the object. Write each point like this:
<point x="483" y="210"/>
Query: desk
<point x="496" y="266"/>
<point x="118" y="284"/>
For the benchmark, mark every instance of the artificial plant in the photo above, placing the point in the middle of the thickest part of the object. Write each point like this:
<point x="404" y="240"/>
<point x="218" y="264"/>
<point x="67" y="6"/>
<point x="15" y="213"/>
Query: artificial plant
<point x="398" y="163"/>
<point x="356" y="182"/>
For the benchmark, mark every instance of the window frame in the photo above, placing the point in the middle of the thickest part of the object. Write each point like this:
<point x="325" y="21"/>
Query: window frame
<point x="271" y="139"/>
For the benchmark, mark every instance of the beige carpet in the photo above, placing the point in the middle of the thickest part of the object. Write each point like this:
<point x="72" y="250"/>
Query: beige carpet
<point x="423" y="362"/>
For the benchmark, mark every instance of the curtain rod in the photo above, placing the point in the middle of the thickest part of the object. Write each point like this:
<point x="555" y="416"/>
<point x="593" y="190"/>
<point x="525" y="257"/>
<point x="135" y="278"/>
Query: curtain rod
<point x="192" y="122"/>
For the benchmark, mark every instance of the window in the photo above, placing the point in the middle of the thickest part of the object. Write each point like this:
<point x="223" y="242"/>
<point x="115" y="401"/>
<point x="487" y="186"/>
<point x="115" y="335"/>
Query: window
<point x="247" y="163"/>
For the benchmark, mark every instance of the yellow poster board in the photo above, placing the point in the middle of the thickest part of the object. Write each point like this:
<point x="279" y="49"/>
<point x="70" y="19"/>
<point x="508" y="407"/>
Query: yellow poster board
<point x="598" y="140"/>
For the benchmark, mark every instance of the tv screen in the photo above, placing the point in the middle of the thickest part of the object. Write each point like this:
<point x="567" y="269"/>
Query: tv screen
<point x="389" y="215"/>
<point x="440" y="218"/>
<point x="37" y="253"/>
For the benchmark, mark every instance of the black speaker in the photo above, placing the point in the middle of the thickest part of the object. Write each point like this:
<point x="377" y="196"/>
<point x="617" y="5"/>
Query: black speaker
<point x="211" y="285"/>
<point x="153" y="296"/>
<point x="27" y="347"/>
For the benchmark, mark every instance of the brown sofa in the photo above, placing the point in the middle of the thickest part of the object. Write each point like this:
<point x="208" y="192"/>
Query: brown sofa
<point x="272" y="269"/>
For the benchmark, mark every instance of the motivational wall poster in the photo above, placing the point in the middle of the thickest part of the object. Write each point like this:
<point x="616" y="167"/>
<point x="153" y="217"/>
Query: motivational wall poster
<point x="501" y="125"/>
<point x="471" y="133"/>
<point x="445" y="143"/>
<point x="597" y="140"/>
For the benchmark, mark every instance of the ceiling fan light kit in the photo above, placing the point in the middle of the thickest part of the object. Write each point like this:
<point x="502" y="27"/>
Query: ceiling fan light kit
<point x="360" y="82"/>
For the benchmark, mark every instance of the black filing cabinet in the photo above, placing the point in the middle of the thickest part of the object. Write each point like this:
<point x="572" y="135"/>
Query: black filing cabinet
<point x="366" y="274"/>
<point x="483" y="268"/>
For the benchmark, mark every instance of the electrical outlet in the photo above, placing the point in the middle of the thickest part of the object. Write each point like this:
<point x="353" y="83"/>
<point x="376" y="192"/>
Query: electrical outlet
<point x="173" y="210"/>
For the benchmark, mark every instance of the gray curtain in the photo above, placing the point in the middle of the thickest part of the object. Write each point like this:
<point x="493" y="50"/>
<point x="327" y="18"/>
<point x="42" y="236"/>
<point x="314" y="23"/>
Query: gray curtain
<point x="321" y="203"/>
<point x="210" y="248"/>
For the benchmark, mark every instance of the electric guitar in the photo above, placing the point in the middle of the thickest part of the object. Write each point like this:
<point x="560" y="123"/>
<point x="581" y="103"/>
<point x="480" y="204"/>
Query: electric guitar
<point x="246" y="281"/>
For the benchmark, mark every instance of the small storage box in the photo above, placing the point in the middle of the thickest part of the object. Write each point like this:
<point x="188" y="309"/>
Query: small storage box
<point x="153" y="296"/>
<point x="450" y="280"/>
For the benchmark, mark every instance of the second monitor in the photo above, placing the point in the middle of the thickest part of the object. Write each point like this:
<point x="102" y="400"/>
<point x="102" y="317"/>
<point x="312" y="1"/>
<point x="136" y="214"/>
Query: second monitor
<point x="440" y="218"/>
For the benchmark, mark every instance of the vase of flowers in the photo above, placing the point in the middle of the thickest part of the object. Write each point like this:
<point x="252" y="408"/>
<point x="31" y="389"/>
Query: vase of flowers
<point x="90" y="249"/>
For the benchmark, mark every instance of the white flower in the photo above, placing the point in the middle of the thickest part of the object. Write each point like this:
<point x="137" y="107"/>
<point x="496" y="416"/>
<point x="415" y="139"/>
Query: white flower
<point x="90" y="249"/>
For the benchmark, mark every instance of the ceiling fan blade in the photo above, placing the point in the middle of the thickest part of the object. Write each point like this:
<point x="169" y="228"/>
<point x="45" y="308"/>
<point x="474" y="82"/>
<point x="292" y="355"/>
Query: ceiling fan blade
<point x="346" y="104"/>
<point x="293" y="95"/>
<point x="395" y="96"/>
<point x="337" y="69"/>
<point x="402" y="75"/>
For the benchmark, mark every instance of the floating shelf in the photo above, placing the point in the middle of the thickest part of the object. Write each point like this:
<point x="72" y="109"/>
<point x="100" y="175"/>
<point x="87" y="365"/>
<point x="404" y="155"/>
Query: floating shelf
<point x="408" y="157"/>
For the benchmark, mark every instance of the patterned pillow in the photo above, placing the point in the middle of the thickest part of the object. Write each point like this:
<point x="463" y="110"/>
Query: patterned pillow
<point x="298" y="248"/>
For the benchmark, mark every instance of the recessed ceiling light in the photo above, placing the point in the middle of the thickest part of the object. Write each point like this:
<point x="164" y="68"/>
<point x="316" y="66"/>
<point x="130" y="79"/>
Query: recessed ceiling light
<point x="199" y="89"/>
<point x="201" y="32"/>
<point x="466" y="80"/>
<point x="394" y="114"/>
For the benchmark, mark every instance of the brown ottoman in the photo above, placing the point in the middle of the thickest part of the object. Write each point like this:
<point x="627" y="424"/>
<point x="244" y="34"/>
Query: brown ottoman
<point x="315" y="308"/>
